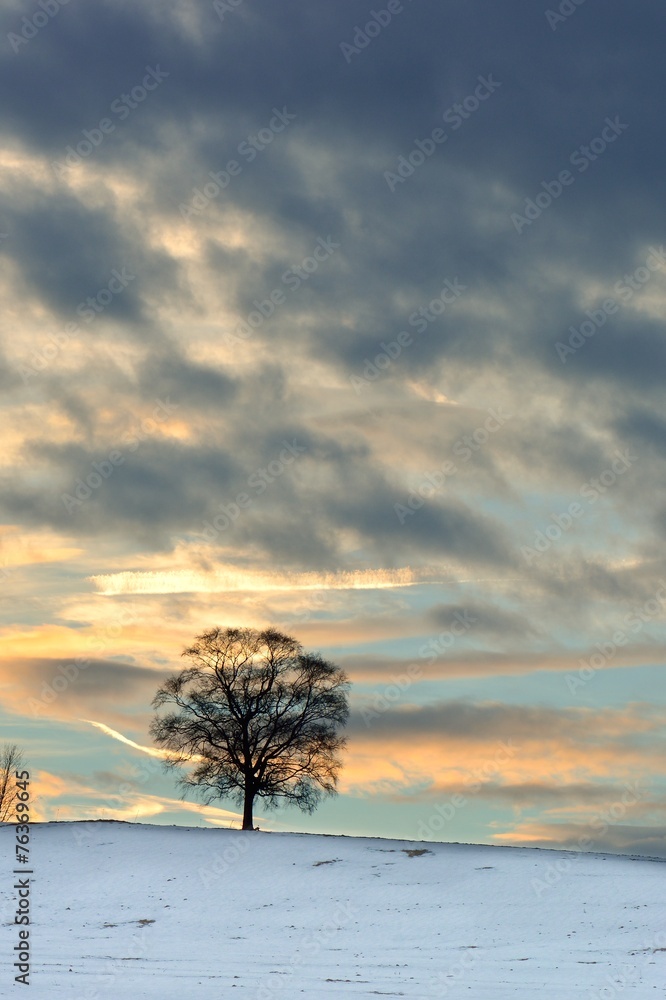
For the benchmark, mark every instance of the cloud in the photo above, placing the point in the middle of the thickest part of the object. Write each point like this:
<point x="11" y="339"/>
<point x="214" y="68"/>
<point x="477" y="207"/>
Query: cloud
<point x="181" y="581"/>
<point x="484" y="618"/>
<point x="151" y="751"/>
<point x="485" y="662"/>
<point x="82" y="800"/>
<point x="490" y="720"/>
<point x="645" y="841"/>
<point x="69" y="689"/>
<point x="403" y="510"/>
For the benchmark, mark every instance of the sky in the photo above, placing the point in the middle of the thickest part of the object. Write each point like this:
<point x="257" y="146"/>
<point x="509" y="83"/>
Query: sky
<point x="346" y="320"/>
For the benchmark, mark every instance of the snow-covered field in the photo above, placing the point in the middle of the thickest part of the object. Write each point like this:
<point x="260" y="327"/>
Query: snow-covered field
<point x="129" y="911"/>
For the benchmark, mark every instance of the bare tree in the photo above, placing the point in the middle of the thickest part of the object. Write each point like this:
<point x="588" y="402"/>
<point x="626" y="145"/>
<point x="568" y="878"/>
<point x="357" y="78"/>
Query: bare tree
<point x="11" y="761"/>
<point x="256" y="717"/>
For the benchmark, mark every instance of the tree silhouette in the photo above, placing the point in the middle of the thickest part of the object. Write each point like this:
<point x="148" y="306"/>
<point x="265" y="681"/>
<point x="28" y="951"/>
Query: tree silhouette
<point x="11" y="760"/>
<point x="256" y="717"/>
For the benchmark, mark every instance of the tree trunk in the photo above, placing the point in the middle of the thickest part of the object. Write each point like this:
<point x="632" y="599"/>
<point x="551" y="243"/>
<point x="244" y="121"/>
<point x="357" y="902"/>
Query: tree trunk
<point x="248" y="823"/>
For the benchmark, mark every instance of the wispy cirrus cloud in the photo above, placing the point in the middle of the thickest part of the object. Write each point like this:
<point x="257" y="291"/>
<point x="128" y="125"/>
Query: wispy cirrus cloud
<point x="151" y="751"/>
<point x="188" y="581"/>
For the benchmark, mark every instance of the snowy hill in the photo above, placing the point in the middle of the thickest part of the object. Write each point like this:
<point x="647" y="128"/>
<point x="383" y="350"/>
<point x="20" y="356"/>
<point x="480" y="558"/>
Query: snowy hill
<point x="136" y="911"/>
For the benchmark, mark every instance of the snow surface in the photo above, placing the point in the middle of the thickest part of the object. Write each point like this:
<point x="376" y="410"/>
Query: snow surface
<point x="122" y="910"/>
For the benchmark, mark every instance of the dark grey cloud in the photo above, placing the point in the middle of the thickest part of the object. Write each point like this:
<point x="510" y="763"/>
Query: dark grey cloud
<point x="322" y="489"/>
<point x="184" y="383"/>
<point x="646" y="428"/>
<point x="487" y="788"/>
<point x="487" y="619"/>
<point x="60" y="686"/>
<point x="642" y="842"/>
<point x="489" y="721"/>
<point x="67" y="252"/>
<point x="140" y="493"/>
<point x="451" y="218"/>
<point x="88" y="267"/>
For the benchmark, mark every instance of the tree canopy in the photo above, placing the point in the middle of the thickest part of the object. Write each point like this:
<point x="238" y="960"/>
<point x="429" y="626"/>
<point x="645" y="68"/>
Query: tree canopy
<point x="254" y="716"/>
